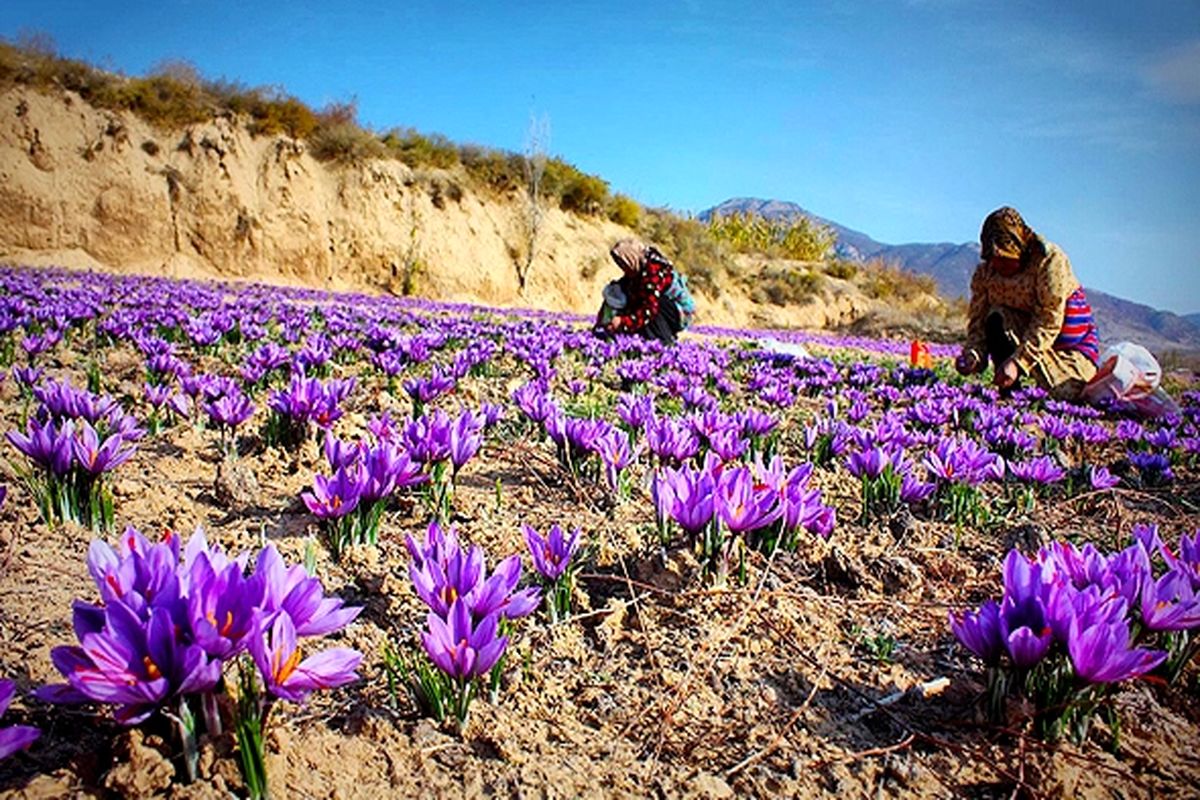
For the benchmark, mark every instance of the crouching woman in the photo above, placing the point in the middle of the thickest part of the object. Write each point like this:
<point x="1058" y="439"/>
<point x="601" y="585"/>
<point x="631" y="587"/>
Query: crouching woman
<point x="639" y="302"/>
<point x="1028" y="313"/>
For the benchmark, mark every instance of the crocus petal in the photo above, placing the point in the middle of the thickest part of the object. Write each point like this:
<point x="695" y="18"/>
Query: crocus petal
<point x="16" y="737"/>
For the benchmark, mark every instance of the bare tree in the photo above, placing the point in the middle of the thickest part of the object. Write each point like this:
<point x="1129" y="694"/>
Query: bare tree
<point x="412" y="266"/>
<point x="537" y="143"/>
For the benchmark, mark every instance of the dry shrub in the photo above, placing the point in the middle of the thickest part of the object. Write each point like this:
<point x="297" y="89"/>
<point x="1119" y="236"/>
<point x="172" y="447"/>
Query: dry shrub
<point x="841" y="269"/>
<point x="420" y="150"/>
<point x="338" y="136"/>
<point x="785" y="286"/>
<point x="882" y="280"/>
<point x="686" y="242"/>
<point x="497" y="170"/>
<point x="796" y="238"/>
<point x="624" y="210"/>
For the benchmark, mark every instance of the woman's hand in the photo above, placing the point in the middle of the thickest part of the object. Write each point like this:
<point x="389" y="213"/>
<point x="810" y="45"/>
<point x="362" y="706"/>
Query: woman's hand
<point x="1007" y="374"/>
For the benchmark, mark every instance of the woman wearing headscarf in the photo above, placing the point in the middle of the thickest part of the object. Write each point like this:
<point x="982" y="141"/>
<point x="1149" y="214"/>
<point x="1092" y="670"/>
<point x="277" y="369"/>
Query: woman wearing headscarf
<point x="1028" y="313"/>
<point x="639" y="302"/>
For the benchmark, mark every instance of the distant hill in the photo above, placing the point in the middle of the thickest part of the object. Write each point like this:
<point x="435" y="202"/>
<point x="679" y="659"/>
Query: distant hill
<point x="952" y="265"/>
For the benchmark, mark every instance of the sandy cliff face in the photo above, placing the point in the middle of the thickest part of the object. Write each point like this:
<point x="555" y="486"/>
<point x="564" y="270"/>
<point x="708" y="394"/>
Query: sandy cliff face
<point x="87" y="188"/>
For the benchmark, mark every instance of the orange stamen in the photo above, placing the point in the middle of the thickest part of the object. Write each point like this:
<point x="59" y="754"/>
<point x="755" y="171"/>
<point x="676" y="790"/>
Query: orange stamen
<point x="283" y="671"/>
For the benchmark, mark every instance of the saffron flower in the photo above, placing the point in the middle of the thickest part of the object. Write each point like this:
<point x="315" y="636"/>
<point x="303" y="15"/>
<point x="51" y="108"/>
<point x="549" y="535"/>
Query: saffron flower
<point x="95" y="457"/>
<point x="459" y="647"/>
<point x="230" y="410"/>
<point x="277" y="653"/>
<point x="334" y="496"/>
<point x="1170" y="603"/>
<point x="137" y="665"/>
<point x="742" y="505"/>
<point x="979" y="631"/>
<point x="1102" y="479"/>
<point x="292" y="591"/>
<point x="691" y="493"/>
<point x="1101" y="653"/>
<point x="553" y="552"/>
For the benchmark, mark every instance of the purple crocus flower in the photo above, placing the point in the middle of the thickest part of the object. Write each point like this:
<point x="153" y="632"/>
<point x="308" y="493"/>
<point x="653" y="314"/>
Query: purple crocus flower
<point x="1101" y="653"/>
<point x="963" y="461"/>
<point x="582" y="434"/>
<point x="1043" y="470"/>
<point x="427" y="438"/>
<point x="437" y="547"/>
<point x="1187" y="561"/>
<point x="670" y="441"/>
<point x="335" y="496"/>
<point x="1102" y="479"/>
<point x="742" y="505"/>
<point x="1129" y="430"/>
<point x="1170" y="603"/>
<point x="691" y="493"/>
<point x="340" y="453"/>
<point x="156" y="393"/>
<point x="461" y="648"/>
<point x="292" y="591"/>
<point x="388" y="468"/>
<point x="1024" y="627"/>
<point x="439" y="582"/>
<point x="1155" y="468"/>
<point x="757" y="423"/>
<point x="222" y="607"/>
<point x="49" y="447"/>
<point x="553" y="552"/>
<point x="94" y="457"/>
<point x="14" y="737"/>
<point x="230" y="410"/>
<point x="979" y="631"/>
<point x="499" y="593"/>
<point x="531" y="398"/>
<point x="28" y="376"/>
<point x="460" y="574"/>
<point x="465" y="439"/>
<point x="277" y="655"/>
<point x="728" y="443"/>
<point x="869" y="463"/>
<point x="1162" y="439"/>
<point x="914" y="490"/>
<point x="492" y="413"/>
<point x="134" y="664"/>
<point x="425" y="390"/>
<point x="616" y="454"/>
<point x="635" y="410"/>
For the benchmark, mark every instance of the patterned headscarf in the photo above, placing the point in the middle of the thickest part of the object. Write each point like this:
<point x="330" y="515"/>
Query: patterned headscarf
<point x="1004" y="234"/>
<point x="630" y="255"/>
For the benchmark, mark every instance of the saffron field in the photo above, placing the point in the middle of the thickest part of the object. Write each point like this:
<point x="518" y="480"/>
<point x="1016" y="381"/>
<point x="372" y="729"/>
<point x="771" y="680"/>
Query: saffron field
<point x="276" y="542"/>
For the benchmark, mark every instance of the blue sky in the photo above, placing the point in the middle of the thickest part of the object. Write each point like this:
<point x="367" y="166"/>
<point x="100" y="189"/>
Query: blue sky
<point x="909" y="121"/>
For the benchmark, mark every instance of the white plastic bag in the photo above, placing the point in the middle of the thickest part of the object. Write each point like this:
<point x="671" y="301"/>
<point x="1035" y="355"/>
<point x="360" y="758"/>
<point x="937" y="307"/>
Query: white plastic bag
<point x="793" y="349"/>
<point x="1129" y="373"/>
